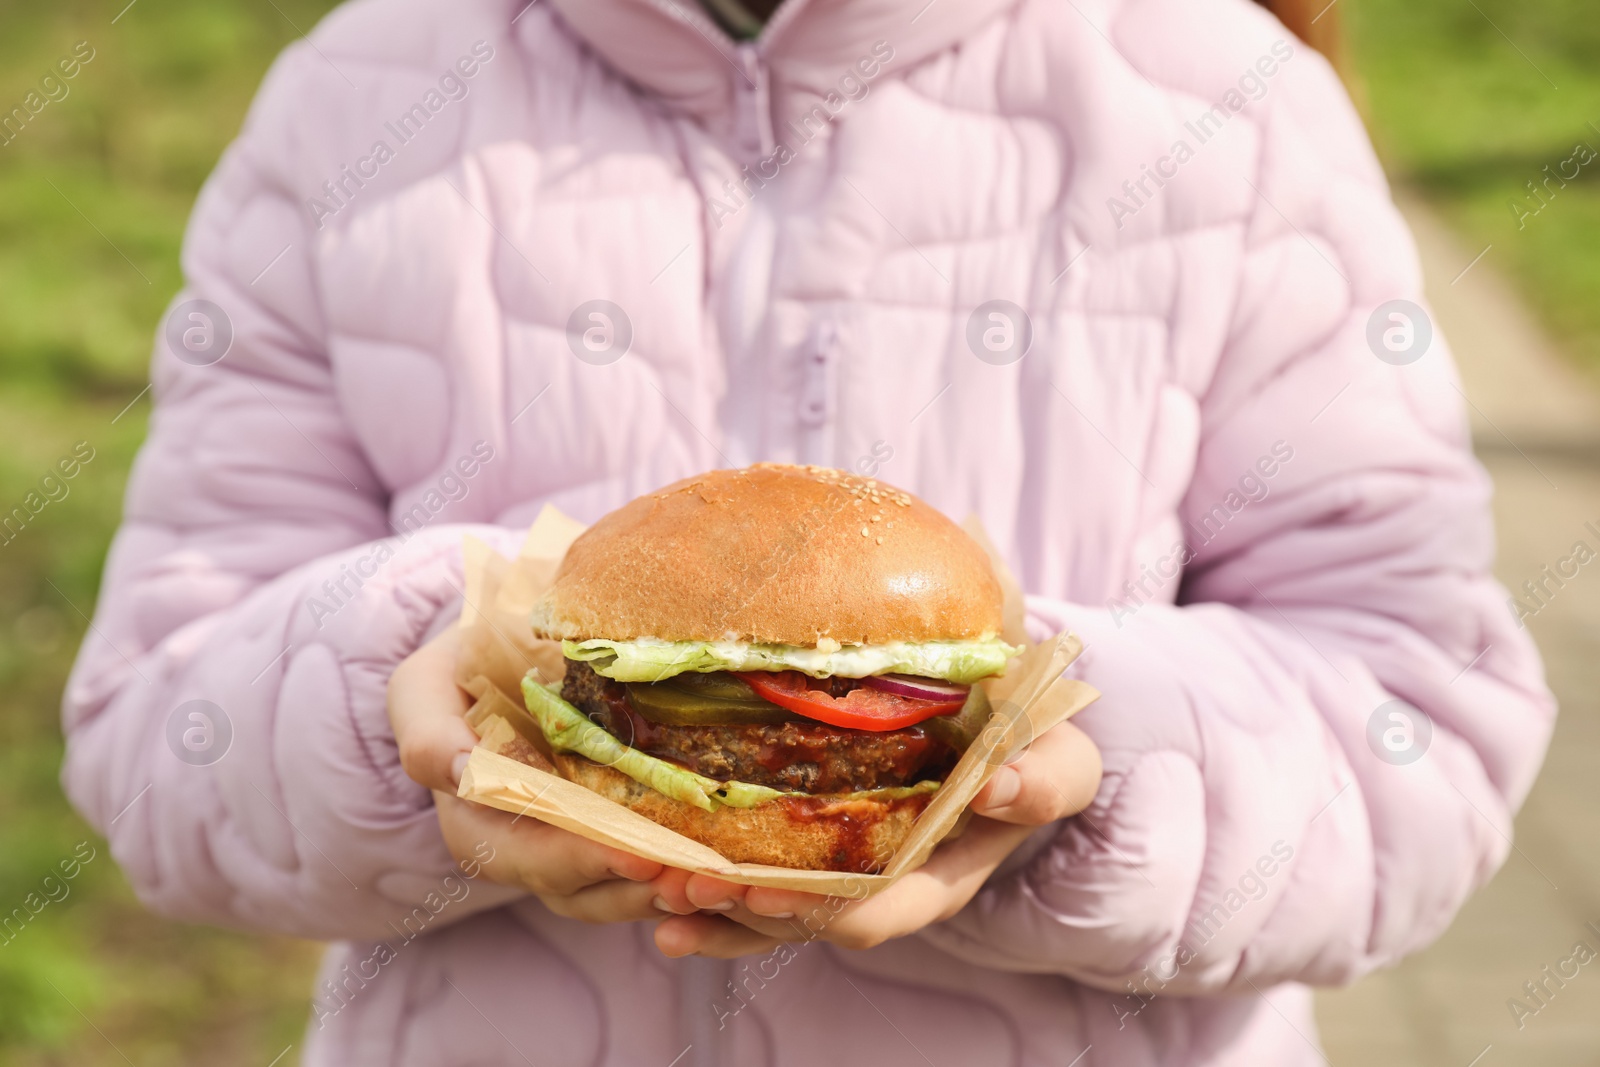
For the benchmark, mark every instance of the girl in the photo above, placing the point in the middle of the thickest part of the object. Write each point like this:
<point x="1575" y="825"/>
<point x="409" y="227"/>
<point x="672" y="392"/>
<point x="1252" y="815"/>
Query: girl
<point x="1120" y="276"/>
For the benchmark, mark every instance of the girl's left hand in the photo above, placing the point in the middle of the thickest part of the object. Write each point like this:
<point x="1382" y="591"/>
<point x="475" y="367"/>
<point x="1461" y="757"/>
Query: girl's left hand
<point x="1056" y="776"/>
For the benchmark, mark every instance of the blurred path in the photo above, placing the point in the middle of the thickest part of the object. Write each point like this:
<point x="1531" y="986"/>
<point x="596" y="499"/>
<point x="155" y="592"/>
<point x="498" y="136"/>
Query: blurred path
<point x="1536" y="427"/>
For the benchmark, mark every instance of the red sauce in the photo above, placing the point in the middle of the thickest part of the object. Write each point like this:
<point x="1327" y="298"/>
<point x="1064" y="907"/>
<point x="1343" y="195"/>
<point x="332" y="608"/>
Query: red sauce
<point x="853" y="850"/>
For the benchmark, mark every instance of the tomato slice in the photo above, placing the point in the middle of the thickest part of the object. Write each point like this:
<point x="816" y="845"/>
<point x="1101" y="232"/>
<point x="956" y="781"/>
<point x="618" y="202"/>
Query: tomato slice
<point x="860" y="709"/>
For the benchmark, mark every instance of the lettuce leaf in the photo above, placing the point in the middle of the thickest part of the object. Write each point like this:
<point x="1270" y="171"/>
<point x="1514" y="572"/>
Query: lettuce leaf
<point x="569" y="730"/>
<point x="650" y="660"/>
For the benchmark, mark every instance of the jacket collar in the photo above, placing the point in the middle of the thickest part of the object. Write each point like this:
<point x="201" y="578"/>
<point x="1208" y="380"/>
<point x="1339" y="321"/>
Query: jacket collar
<point x="742" y="91"/>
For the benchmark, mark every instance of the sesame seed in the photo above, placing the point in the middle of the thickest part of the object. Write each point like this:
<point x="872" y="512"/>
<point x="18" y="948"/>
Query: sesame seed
<point x="863" y="531"/>
<point x="880" y="540"/>
<point x="877" y="518"/>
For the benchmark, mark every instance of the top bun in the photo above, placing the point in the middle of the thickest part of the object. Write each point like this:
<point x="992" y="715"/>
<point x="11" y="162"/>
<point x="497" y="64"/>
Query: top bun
<point x="773" y="554"/>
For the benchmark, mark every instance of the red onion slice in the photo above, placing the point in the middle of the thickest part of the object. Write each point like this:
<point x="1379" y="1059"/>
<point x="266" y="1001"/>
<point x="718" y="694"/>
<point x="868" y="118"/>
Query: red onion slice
<point x="909" y="685"/>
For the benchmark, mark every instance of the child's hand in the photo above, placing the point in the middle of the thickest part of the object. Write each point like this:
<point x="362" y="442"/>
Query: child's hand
<point x="1056" y="777"/>
<point x="573" y="876"/>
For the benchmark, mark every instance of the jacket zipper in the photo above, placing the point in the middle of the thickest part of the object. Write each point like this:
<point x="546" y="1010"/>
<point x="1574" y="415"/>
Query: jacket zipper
<point x="752" y="91"/>
<point x="819" y="386"/>
<point x="752" y="103"/>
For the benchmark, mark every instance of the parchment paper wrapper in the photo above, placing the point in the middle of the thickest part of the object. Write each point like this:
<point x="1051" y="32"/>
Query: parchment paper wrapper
<point x="497" y="648"/>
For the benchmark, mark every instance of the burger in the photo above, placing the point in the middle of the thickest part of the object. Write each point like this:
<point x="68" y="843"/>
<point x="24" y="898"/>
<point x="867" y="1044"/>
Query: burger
<point x="777" y="662"/>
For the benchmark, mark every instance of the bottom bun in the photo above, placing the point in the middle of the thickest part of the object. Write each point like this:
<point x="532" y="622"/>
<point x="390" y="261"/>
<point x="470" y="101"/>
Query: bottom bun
<point x="818" y="833"/>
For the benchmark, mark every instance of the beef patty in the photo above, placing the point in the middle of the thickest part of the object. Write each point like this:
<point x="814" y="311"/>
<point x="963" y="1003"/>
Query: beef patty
<point x="808" y="757"/>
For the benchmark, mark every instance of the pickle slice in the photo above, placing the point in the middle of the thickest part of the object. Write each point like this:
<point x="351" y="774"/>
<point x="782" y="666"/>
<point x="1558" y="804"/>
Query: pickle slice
<point x="718" y="684"/>
<point x="674" y="705"/>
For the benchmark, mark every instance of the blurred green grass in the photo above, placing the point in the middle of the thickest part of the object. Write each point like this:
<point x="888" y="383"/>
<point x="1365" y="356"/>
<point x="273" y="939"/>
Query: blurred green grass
<point x="1468" y="101"/>
<point x="94" y="194"/>
<point x="93" y="198"/>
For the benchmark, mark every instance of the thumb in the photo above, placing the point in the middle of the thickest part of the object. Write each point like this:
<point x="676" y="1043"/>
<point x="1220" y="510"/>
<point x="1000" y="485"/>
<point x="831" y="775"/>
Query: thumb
<point x="1056" y="776"/>
<point x="427" y="711"/>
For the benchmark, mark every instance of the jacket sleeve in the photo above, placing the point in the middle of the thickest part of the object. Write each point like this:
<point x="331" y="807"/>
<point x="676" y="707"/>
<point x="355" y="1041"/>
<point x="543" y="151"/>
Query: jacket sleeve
<point x="1313" y="759"/>
<point x="256" y="573"/>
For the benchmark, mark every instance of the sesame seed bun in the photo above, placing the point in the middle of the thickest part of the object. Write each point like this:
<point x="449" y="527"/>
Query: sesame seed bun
<point x="773" y="554"/>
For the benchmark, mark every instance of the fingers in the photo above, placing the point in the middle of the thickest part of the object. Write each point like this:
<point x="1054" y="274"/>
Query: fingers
<point x="788" y="916"/>
<point x="574" y="876"/>
<point x="1056" y="776"/>
<point x="671" y="899"/>
<point x="776" y="914"/>
<point x="767" y="916"/>
<point x="958" y="869"/>
<point x="543" y="859"/>
<point x="713" y="894"/>
<point x="612" y="901"/>
<point x="427" y="711"/>
<point x="553" y="862"/>
<point x="942" y="887"/>
<point x="786" y="904"/>
<point x="710" y="935"/>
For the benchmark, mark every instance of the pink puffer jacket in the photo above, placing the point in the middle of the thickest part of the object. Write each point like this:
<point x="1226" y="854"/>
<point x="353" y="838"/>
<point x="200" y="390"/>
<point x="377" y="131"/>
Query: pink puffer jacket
<point x="798" y="242"/>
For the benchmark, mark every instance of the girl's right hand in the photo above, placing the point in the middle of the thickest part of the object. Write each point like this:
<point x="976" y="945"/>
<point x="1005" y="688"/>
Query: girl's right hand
<point x="573" y="876"/>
